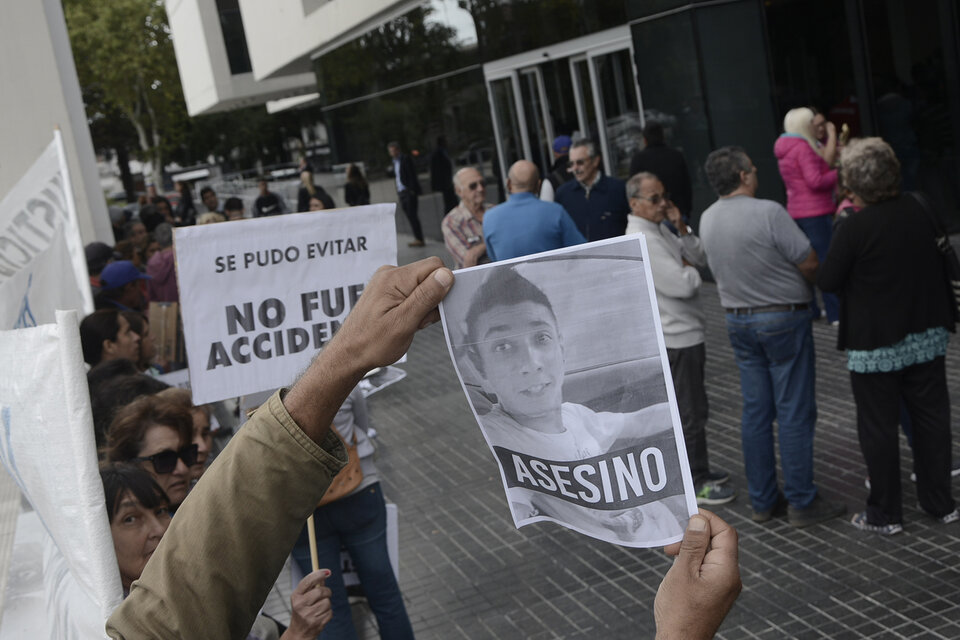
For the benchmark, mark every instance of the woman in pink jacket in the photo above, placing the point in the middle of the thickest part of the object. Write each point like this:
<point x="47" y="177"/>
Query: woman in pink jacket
<point x="810" y="186"/>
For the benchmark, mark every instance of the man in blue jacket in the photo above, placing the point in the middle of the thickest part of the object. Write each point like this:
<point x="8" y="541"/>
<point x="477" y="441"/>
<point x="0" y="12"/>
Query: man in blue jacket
<point x="597" y="203"/>
<point x="524" y="224"/>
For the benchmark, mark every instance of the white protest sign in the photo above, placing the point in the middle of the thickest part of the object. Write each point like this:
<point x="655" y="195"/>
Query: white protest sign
<point x="48" y="448"/>
<point x="42" y="264"/>
<point x="562" y="359"/>
<point x="260" y="297"/>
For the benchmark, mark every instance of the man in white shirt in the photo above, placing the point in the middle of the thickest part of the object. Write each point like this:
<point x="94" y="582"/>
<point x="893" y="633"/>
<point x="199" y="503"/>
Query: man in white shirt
<point x="673" y="261"/>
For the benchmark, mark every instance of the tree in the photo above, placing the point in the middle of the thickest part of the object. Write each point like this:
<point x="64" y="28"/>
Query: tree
<point x="124" y="55"/>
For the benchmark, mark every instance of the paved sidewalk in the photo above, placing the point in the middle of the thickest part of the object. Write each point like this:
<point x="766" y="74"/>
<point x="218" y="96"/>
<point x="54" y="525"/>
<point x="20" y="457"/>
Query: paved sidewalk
<point x="467" y="573"/>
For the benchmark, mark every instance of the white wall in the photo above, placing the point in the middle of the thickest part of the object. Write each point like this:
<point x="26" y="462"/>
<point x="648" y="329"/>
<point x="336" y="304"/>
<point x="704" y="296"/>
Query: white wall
<point x="39" y="91"/>
<point x="208" y="86"/>
<point x="282" y="37"/>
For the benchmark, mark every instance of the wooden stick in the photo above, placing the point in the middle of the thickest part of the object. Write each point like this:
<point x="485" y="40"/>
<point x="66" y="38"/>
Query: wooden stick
<point x="312" y="534"/>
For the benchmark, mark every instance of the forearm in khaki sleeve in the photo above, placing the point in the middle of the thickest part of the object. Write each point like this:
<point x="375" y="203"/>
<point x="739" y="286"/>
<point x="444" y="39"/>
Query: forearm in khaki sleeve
<point x="229" y="540"/>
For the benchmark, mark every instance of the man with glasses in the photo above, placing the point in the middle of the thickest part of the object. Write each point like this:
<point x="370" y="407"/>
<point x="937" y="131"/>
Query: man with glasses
<point x="463" y="226"/>
<point x="673" y="262"/>
<point x="525" y="224"/>
<point x="763" y="264"/>
<point x="597" y="203"/>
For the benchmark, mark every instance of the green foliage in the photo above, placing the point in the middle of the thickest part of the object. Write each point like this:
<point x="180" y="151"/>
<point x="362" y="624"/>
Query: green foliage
<point x="126" y="65"/>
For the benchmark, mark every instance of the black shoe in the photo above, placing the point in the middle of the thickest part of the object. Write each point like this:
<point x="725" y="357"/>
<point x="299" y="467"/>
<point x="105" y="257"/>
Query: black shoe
<point x="814" y="513"/>
<point x="778" y="511"/>
<point x="713" y="477"/>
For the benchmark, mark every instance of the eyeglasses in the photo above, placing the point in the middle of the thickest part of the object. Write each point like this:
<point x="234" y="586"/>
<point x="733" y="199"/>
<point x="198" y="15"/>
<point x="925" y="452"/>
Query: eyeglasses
<point x="166" y="460"/>
<point x="655" y="199"/>
<point x="473" y="185"/>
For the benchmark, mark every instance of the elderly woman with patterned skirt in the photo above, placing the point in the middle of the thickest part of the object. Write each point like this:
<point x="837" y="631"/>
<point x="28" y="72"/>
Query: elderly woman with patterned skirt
<point x="896" y="310"/>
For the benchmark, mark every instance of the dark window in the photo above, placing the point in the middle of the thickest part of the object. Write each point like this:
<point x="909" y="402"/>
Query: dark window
<point x="235" y="41"/>
<point x="915" y="102"/>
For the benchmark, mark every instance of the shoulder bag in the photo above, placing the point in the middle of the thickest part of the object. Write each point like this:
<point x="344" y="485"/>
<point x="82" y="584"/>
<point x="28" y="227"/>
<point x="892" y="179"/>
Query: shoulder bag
<point x="349" y="477"/>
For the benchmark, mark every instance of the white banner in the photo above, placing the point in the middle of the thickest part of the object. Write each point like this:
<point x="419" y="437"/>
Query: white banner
<point x="42" y="264"/>
<point x="562" y="360"/>
<point x="259" y="297"/>
<point x="48" y="448"/>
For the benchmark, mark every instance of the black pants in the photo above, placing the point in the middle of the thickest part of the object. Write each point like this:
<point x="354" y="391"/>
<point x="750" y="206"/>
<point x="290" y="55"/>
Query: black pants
<point x="687" y="366"/>
<point x="923" y="388"/>
<point x="409" y="202"/>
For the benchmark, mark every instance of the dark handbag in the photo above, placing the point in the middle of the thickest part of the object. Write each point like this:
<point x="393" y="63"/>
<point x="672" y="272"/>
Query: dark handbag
<point x="951" y="264"/>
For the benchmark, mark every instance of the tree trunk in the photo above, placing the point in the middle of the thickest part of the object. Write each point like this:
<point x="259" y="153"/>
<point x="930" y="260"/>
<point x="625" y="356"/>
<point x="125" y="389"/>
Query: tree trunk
<point x="156" y="159"/>
<point x="123" y="161"/>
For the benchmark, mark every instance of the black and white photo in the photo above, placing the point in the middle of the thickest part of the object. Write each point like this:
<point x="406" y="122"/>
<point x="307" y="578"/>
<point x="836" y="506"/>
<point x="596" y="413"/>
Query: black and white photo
<point x="562" y="361"/>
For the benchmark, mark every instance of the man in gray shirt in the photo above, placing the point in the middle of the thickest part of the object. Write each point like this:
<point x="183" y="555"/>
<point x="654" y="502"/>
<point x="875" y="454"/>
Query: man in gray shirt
<point x="763" y="264"/>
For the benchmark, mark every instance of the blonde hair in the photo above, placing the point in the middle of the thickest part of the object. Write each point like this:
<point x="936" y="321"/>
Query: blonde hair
<point x="306" y="179"/>
<point x="799" y="122"/>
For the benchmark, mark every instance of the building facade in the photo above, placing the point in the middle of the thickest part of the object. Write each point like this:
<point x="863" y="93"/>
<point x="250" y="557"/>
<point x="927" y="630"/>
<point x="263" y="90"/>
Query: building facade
<point x="499" y="79"/>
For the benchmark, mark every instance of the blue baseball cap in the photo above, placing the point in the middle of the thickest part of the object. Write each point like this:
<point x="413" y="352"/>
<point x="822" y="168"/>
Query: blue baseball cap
<point x="561" y="144"/>
<point x="116" y="274"/>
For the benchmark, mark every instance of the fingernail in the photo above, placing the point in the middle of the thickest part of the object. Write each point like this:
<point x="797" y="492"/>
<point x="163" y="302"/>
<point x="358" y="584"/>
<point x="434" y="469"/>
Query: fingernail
<point x="697" y="523"/>
<point x="444" y="277"/>
<point x="326" y="573"/>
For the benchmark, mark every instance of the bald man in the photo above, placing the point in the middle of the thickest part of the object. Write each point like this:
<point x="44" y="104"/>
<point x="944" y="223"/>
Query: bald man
<point x="524" y="224"/>
<point x="463" y="226"/>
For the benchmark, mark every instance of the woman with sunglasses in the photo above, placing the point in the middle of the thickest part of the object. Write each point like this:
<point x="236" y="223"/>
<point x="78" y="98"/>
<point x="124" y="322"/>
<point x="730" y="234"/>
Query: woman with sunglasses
<point x="157" y="435"/>
<point x="202" y="436"/>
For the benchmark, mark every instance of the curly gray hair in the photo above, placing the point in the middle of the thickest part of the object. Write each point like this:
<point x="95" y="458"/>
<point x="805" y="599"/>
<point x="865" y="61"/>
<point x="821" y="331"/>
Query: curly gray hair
<point x="870" y="169"/>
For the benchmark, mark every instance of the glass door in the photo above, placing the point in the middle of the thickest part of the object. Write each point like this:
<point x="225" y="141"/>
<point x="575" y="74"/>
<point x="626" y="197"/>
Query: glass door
<point x="539" y="134"/>
<point x="620" y="120"/>
<point x="583" y="95"/>
<point x="506" y="123"/>
<point x="581" y="88"/>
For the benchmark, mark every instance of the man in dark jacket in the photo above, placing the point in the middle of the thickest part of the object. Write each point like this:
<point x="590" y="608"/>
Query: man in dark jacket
<point x="665" y="163"/>
<point x="441" y="174"/>
<point x="597" y="203"/>
<point x="408" y="189"/>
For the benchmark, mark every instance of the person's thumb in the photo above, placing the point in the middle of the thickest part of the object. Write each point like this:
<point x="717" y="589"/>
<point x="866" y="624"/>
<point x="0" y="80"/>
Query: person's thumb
<point x="431" y="291"/>
<point x="694" y="545"/>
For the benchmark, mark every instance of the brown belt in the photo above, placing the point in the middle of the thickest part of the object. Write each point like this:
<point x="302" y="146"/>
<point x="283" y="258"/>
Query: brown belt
<point x="770" y="308"/>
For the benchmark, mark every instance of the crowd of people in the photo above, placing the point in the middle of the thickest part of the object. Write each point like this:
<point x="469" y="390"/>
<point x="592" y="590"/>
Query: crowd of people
<point x="846" y="229"/>
<point x="222" y="550"/>
<point x="155" y="444"/>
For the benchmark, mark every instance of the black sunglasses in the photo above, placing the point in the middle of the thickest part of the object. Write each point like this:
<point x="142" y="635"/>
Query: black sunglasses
<point x="166" y="460"/>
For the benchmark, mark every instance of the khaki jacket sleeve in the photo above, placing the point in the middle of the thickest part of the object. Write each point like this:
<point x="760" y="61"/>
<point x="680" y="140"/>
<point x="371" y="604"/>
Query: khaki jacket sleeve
<point x="225" y="547"/>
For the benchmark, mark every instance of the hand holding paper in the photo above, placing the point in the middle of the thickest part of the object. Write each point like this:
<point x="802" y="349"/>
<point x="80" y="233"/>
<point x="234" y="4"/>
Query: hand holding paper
<point x="397" y="302"/>
<point x="704" y="578"/>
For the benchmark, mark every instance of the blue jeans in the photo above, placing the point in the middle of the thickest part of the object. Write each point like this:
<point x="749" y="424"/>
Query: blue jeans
<point x="819" y="229"/>
<point x="359" y="523"/>
<point x="774" y="352"/>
